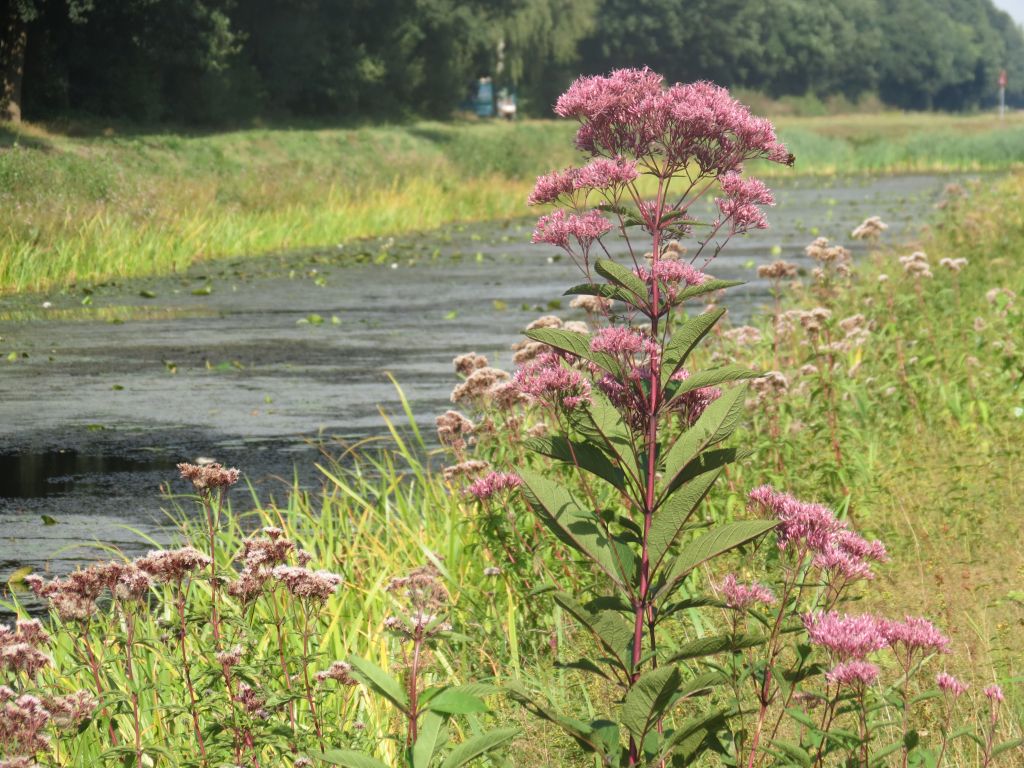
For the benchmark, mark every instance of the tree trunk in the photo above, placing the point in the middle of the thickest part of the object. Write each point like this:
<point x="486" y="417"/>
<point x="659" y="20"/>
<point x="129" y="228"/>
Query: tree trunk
<point x="12" y="63"/>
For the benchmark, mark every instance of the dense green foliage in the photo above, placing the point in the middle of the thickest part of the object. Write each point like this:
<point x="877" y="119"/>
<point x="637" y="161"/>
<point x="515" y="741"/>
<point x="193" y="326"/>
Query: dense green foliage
<point x="221" y="61"/>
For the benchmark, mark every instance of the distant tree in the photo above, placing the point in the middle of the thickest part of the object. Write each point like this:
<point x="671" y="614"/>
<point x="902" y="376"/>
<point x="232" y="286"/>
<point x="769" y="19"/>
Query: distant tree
<point x="17" y="15"/>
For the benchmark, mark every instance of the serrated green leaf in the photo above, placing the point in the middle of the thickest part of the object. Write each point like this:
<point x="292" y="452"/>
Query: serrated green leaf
<point x="601" y="422"/>
<point x="432" y="735"/>
<point x="479" y="745"/>
<point x="623" y="277"/>
<point x="1006" y="745"/>
<point x="455" y="702"/>
<point x="707" y="646"/>
<point x="672" y="516"/>
<point x="710" y="378"/>
<point x="350" y="759"/>
<point x="649" y="698"/>
<point x="583" y="733"/>
<point x="577" y="527"/>
<point x="685" y="340"/>
<point x="715" y="424"/>
<point x="583" y="665"/>
<point x="690" y="739"/>
<point x="574" y="343"/>
<point x="708" y="286"/>
<point x="606" y="290"/>
<point x="793" y="751"/>
<point x="585" y="455"/>
<point x="609" y="628"/>
<point x="712" y="544"/>
<point x="372" y="676"/>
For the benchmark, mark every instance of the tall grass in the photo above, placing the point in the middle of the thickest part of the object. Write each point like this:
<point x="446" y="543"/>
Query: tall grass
<point x="88" y="208"/>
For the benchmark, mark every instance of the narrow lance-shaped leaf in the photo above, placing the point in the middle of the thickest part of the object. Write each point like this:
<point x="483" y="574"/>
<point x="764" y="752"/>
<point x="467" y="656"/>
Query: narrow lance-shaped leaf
<point x="574" y="343"/>
<point x="710" y="545"/>
<point x="648" y="698"/>
<point x="609" y="628"/>
<point x="430" y="738"/>
<point x="577" y="527"/>
<point x="583" y="733"/>
<point x="708" y="646"/>
<point x="479" y="745"/>
<point x="715" y="424"/>
<point x="710" y="378"/>
<point x="606" y="290"/>
<point x="350" y="759"/>
<point x="691" y="738"/>
<point x="585" y="455"/>
<point x="603" y="423"/>
<point x="371" y="675"/>
<point x="622" y="276"/>
<point x="684" y="341"/>
<point x="672" y="516"/>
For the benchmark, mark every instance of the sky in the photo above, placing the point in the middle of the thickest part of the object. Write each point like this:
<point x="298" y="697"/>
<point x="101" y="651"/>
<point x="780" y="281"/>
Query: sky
<point x="1013" y="7"/>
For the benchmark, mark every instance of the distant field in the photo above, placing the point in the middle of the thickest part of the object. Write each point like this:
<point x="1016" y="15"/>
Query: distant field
<point x="85" y="206"/>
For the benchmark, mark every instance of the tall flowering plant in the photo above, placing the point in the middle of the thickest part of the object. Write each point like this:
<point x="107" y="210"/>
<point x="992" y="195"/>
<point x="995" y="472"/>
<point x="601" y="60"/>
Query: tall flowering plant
<point x="641" y="432"/>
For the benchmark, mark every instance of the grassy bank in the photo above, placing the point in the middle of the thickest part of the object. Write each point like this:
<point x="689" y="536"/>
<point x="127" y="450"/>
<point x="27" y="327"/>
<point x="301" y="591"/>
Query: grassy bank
<point x="912" y="423"/>
<point x="84" y="208"/>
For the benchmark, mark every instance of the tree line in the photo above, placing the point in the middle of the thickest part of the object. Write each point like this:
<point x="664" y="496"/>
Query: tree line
<point x="215" y="62"/>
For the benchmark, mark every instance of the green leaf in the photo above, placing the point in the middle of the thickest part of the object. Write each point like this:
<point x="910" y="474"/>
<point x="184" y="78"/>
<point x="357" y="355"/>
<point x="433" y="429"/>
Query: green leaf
<point x="350" y="759"/>
<point x="715" y="424"/>
<point x="455" y="702"/>
<point x="624" y="277"/>
<point x="583" y="665"/>
<point x="691" y="738"/>
<point x="19" y="574"/>
<point x="707" y="461"/>
<point x="369" y="674"/>
<point x="606" y="290"/>
<point x="583" y="733"/>
<point x="577" y="527"/>
<point x="793" y="751"/>
<point x="610" y="629"/>
<point x="672" y="516"/>
<point x="47" y="520"/>
<point x="685" y="340"/>
<point x="601" y="422"/>
<point x="577" y="344"/>
<point x="585" y="455"/>
<point x="479" y="745"/>
<point x="708" y="286"/>
<point x="431" y="737"/>
<point x="1006" y="745"/>
<point x="649" y="697"/>
<point x="707" y="646"/>
<point x="710" y="378"/>
<point x="710" y="545"/>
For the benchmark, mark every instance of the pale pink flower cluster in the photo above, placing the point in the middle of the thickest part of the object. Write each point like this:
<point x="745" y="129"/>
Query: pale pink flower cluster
<point x="600" y="173"/>
<point x="994" y="693"/>
<point x="777" y="270"/>
<point x="20" y="648"/>
<point x="558" y="226"/>
<point x="855" y="674"/>
<point x="454" y="429"/>
<point x="742" y="596"/>
<point x="252" y="701"/>
<point x="618" y="340"/>
<point x="495" y="482"/>
<point x="205" y="477"/>
<point x="672" y="272"/>
<point x="690" y="405"/>
<point x="173" y="565"/>
<point x="814" y="528"/>
<point x="740" y="206"/>
<point x="630" y="112"/>
<point x="869" y="229"/>
<point x="340" y="671"/>
<point x="949" y="684"/>
<point x="846" y="637"/>
<point x="913" y="634"/>
<point x="74" y="597"/>
<point x="547" y="380"/>
<point x="23" y="720"/>
<point x="469" y="362"/>
<point x="305" y="583"/>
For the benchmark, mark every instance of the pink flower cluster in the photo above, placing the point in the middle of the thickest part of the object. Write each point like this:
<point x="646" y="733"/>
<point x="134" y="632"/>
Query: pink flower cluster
<point x="853" y="673"/>
<point x="814" y="528"/>
<point x="742" y="596"/>
<point x="74" y="597"/>
<point x="599" y="173"/>
<point x="173" y="565"/>
<point x="306" y="584"/>
<point x="949" y="684"/>
<point x="546" y="380"/>
<point x="846" y="637"/>
<point x="616" y="340"/>
<point x="741" y="201"/>
<point x="23" y="720"/>
<point x="20" y="648"/>
<point x="492" y="483"/>
<point x="557" y="227"/>
<point x="205" y="477"/>
<point x="913" y="634"/>
<point x="630" y="112"/>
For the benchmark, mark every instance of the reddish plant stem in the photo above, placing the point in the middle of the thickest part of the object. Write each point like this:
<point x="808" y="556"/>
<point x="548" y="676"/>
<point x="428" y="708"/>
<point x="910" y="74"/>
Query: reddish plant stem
<point x="186" y="668"/>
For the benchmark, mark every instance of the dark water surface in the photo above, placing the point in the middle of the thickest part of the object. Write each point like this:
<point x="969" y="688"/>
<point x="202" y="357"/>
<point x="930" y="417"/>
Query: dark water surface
<point x="244" y="361"/>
